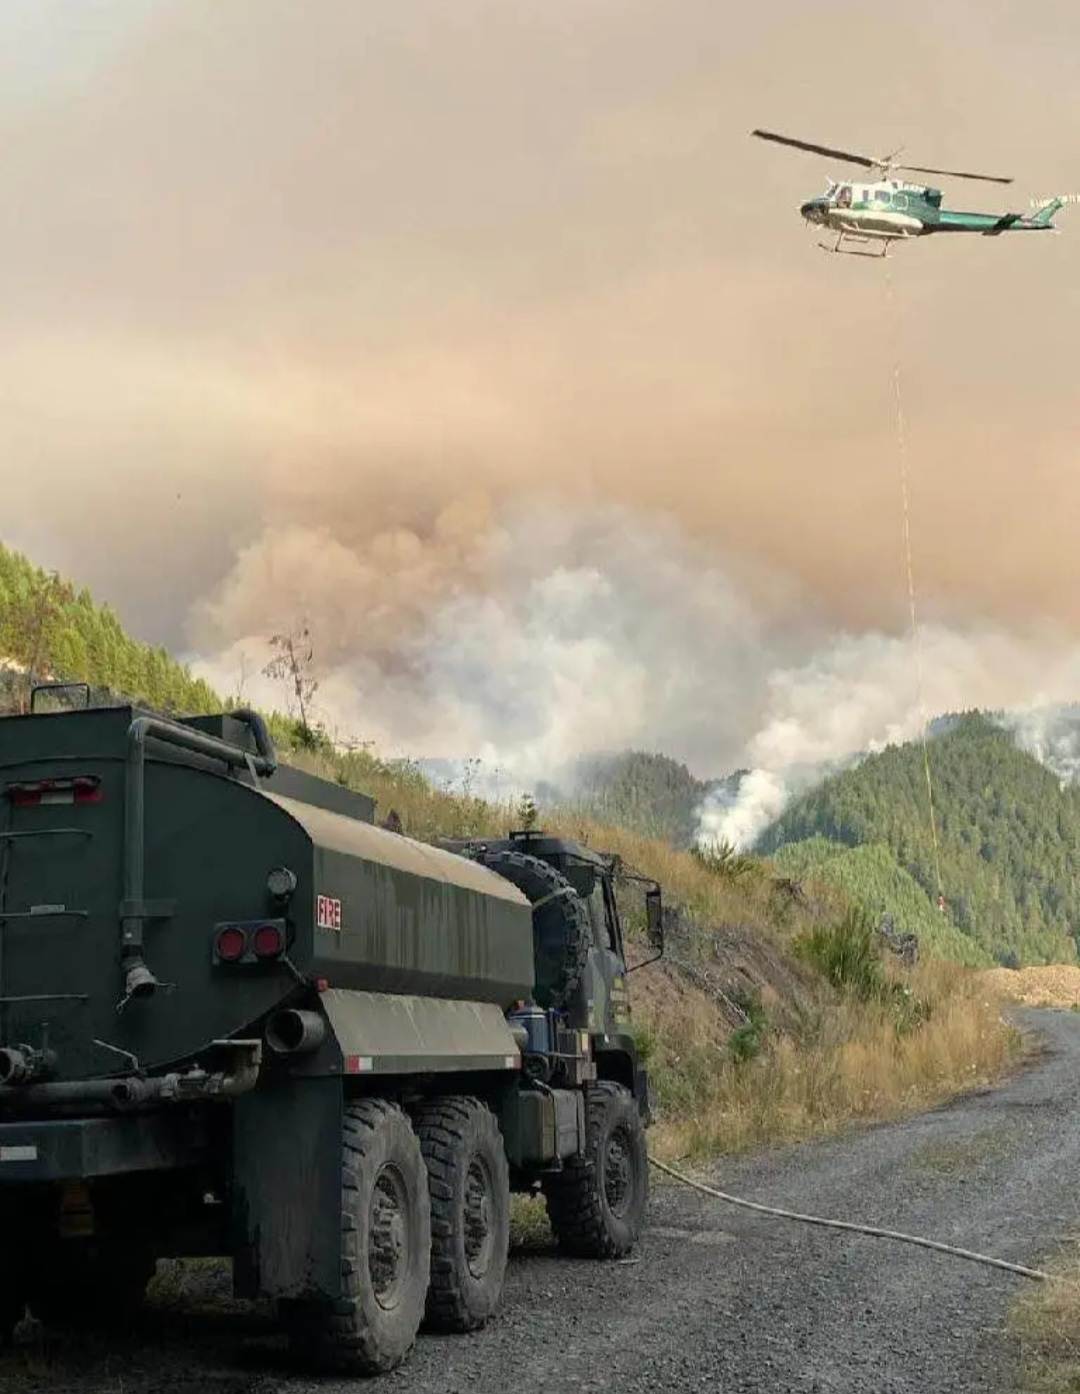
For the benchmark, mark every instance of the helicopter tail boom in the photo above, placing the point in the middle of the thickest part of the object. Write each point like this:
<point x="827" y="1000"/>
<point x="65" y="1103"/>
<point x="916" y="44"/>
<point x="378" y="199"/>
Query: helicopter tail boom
<point x="1039" y="221"/>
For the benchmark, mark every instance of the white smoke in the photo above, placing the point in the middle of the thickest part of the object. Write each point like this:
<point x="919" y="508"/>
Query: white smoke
<point x="739" y="816"/>
<point x="572" y="632"/>
<point x="1052" y="736"/>
<point x="552" y="635"/>
<point x="860" y="694"/>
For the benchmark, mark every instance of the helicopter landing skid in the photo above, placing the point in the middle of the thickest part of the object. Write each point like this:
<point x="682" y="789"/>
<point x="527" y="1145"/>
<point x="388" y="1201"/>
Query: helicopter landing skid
<point x="839" y="248"/>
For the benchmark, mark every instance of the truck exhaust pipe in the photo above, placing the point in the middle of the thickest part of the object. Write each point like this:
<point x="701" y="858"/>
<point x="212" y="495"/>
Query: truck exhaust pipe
<point x="292" y="1032"/>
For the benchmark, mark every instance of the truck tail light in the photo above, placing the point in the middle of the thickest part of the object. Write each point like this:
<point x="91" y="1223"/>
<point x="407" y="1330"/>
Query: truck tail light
<point x="267" y="941"/>
<point x="80" y="790"/>
<point x="230" y="944"/>
<point x="248" y="942"/>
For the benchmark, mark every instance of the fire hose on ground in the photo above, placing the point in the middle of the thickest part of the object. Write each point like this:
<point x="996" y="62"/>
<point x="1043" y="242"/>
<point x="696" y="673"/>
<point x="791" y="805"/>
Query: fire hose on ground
<point x="871" y="1230"/>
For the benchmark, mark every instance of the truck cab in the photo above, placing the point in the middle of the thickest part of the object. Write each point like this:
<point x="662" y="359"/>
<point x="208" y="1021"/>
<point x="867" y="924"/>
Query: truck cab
<point x="598" y="1002"/>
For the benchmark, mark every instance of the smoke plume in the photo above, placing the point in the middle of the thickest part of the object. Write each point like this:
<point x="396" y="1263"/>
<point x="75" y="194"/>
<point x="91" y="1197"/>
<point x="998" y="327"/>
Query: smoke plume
<point x="859" y="694"/>
<point x="1052" y="736"/>
<point x="485" y="341"/>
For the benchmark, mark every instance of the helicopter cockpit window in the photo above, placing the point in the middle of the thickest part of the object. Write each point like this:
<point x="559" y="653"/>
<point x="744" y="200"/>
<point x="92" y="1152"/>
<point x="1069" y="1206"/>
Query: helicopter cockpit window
<point x="843" y="198"/>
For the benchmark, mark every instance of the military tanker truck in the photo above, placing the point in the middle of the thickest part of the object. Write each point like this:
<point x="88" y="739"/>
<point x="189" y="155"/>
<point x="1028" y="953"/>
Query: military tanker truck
<point x="240" y="1018"/>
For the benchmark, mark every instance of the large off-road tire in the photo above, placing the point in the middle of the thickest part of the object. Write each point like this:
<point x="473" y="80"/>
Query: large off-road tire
<point x="596" y="1204"/>
<point x="469" y="1184"/>
<point x="562" y="932"/>
<point x="80" y="1284"/>
<point x="386" y="1250"/>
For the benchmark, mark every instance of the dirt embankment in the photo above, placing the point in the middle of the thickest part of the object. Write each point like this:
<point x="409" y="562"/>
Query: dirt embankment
<point x="733" y="966"/>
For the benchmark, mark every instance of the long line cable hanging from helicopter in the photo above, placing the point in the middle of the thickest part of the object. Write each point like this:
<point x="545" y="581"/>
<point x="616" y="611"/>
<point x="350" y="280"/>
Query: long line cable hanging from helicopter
<point x="905" y="504"/>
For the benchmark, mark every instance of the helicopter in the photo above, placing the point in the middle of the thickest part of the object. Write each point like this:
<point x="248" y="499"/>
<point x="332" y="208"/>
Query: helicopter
<point x="886" y="210"/>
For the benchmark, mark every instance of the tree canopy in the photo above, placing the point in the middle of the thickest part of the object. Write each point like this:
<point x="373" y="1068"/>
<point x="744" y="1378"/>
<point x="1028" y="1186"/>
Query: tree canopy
<point x="1008" y="834"/>
<point x="51" y="630"/>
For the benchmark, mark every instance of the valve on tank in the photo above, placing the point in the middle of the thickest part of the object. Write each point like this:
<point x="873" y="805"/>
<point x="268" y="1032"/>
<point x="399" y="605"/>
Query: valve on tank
<point x="22" y="1064"/>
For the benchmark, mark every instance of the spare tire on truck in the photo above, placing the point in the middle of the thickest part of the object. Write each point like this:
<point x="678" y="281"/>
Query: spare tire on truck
<point x="562" y="931"/>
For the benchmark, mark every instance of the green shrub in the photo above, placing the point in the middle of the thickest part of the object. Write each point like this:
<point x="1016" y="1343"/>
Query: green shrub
<point x="721" y="859"/>
<point x="847" y="954"/>
<point x="645" y="1042"/>
<point x="747" y="1040"/>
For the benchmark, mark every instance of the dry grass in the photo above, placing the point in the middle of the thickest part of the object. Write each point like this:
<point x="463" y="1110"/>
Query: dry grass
<point x="1055" y="985"/>
<point x="1044" y="1328"/>
<point x="848" y="1063"/>
<point x="747" y="897"/>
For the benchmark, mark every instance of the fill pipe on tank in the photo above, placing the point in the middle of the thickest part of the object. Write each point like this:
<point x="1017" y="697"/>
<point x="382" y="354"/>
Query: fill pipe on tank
<point x="139" y="981"/>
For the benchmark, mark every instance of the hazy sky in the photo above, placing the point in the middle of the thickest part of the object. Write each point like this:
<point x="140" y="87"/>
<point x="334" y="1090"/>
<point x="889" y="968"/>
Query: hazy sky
<point x="304" y="302"/>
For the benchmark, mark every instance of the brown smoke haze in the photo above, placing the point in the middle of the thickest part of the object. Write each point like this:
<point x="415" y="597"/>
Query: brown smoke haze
<point x="482" y="336"/>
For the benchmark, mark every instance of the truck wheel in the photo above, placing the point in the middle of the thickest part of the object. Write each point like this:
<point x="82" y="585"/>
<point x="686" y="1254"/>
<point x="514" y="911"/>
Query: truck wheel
<point x="562" y="932"/>
<point x="469" y="1183"/>
<point x="596" y="1205"/>
<point x="386" y="1250"/>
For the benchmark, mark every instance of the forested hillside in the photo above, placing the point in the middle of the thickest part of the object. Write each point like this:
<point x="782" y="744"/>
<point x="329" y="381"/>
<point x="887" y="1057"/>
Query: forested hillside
<point x="646" y="792"/>
<point x="50" y="629"/>
<point x="870" y="876"/>
<point x="1008" y="834"/>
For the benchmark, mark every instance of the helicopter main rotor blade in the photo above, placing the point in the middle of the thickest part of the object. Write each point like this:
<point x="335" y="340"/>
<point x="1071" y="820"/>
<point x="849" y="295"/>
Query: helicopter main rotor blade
<point x="817" y="149"/>
<point x="955" y="174"/>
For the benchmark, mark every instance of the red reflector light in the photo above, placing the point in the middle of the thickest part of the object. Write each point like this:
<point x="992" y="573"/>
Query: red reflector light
<point x="87" y="791"/>
<point x="267" y="941"/>
<point x="231" y="944"/>
<point x="82" y="789"/>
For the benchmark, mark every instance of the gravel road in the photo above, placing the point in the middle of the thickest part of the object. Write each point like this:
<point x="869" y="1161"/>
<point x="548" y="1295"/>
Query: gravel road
<point x="717" y="1298"/>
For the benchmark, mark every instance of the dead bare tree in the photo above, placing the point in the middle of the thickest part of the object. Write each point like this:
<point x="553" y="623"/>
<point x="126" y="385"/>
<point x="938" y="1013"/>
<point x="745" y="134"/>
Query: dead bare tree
<point x="241" y="681"/>
<point x="294" y="666"/>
